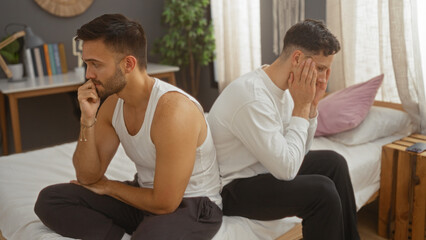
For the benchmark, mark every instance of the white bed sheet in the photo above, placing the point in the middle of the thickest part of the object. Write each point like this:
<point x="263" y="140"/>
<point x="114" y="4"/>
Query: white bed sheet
<point x="22" y="176"/>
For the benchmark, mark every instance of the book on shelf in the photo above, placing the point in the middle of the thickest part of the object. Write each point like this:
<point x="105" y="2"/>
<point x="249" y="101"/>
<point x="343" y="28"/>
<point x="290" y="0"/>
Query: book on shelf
<point x="42" y="59"/>
<point x="63" y="57"/>
<point x="28" y="63"/>
<point x="45" y="60"/>
<point x="37" y="62"/>
<point x="33" y="61"/>
<point x="57" y="58"/>
<point x="52" y="59"/>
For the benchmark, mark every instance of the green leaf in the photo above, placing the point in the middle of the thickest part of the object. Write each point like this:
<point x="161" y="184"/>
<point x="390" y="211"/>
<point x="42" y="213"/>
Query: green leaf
<point x="200" y="31"/>
<point x="10" y="57"/>
<point x="189" y="32"/>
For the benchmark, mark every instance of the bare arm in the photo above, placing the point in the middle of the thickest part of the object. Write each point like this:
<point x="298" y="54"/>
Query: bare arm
<point x="178" y="128"/>
<point x="99" y="142"/>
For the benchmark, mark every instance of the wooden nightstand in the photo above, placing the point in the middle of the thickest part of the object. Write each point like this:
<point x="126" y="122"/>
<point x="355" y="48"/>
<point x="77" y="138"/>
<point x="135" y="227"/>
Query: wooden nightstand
<point x="402" y="203"/>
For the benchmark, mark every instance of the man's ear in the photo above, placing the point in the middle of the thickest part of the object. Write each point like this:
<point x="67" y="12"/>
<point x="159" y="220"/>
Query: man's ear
<point x="129" y="63"/>
<point x="296" y="57"/>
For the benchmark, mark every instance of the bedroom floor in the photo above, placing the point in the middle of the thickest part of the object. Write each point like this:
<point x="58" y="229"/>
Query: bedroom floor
<point x="367" y="222"/>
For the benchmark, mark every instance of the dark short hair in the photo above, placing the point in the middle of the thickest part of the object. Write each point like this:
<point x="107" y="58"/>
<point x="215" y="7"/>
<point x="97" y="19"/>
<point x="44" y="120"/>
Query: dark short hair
<point x="118" y="32"/>
<point x="312" y="36"/>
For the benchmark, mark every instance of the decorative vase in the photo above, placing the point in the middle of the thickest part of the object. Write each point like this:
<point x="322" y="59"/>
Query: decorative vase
<point x="17" y="71"/>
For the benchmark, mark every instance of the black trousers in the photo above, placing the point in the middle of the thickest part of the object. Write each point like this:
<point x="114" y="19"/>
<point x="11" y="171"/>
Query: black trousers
<point x="321" y="194"/>
<point x="76" y="212"/>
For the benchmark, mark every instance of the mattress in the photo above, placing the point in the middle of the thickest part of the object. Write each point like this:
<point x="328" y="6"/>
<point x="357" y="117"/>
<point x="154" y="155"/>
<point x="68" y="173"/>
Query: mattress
<point x="23" y="175"/>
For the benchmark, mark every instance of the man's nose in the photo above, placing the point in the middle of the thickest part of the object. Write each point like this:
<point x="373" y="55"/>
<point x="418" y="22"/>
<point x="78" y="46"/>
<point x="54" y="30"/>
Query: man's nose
<point x="89" y="73"/>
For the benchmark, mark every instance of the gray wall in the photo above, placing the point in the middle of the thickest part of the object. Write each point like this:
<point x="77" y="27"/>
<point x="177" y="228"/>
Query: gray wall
<point x="51" y="120"/>
<point x="56" y="29"/>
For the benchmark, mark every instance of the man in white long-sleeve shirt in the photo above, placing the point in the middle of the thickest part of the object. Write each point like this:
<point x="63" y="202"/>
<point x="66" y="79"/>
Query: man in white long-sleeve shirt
<point x="263" y="125"/>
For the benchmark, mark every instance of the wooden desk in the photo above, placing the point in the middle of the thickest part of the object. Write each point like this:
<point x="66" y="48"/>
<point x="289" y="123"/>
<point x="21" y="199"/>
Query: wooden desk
<point x="163" y="71"/>
<point x="51" y="85"/>
<point x="402" y="200"/>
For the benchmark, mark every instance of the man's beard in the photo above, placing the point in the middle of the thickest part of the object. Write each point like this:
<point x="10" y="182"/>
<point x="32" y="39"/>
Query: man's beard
<point x="112" y="85"/>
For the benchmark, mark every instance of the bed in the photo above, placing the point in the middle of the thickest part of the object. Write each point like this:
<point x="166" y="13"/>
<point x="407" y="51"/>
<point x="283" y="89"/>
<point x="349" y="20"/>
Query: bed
<point x="23" y="175"/>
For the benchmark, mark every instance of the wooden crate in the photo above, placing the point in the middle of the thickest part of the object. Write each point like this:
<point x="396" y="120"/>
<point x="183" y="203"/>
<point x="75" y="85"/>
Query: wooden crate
<point x="402" y="200"/>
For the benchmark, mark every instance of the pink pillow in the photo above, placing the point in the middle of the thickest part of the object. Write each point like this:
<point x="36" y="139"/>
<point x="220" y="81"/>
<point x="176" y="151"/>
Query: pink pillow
<point x="346" y="108"/>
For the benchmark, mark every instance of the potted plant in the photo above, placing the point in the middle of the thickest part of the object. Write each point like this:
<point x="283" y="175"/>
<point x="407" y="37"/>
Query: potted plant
<point x="189" y="42"/>
<point x="11" y="54"/>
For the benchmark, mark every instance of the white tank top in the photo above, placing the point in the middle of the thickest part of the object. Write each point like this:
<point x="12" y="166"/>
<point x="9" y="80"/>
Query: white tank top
<point x="204" y="180"/>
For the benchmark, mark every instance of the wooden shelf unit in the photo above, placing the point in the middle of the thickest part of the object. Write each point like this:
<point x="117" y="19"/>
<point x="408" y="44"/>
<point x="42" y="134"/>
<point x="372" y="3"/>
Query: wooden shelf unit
<point x="402" y="200"/>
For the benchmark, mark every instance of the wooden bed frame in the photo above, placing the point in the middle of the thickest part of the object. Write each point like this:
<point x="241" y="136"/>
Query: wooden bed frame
<point x="296" y="232"/>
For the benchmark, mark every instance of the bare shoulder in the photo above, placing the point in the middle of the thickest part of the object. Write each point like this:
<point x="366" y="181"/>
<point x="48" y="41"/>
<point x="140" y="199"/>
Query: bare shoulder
<point x="175" y="104"/>
<point x="175" y="110"/>
<point x="107" y="108"/>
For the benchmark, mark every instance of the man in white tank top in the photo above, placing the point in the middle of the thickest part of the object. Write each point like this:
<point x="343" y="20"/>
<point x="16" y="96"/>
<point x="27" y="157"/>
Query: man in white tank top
<point x="175" y="194"/>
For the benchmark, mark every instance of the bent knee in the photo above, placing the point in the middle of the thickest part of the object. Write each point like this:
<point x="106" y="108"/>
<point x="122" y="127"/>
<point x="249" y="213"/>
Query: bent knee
<point x="326" y="190"/>
<point x="48" y="198"/>
<point x="335" y="159"/>
<point x="43" y="202"/>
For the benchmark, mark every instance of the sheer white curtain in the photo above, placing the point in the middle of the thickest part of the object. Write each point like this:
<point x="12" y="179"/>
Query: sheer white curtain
<point x="237" y="33"/>
<point x="379" y="37"/>
<point x="420" y="6"/>
<point x="285" y="14"/>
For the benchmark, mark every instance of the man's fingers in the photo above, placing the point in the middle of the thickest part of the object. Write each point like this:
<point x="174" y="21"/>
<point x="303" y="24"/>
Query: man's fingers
<point x="93" y="96"/>
<point x="309" y="77"/>
<point x="305" y="71"/>
<point x="88" y="91"/>
<point x="87" y="85"/>
<point x="299" y="70"/>
<point x="88" y="95"/>
<point x="314" y="77"/>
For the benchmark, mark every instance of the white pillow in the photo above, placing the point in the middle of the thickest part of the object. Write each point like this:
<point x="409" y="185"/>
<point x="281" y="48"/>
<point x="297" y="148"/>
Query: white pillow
<point x="380" y="122"/>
